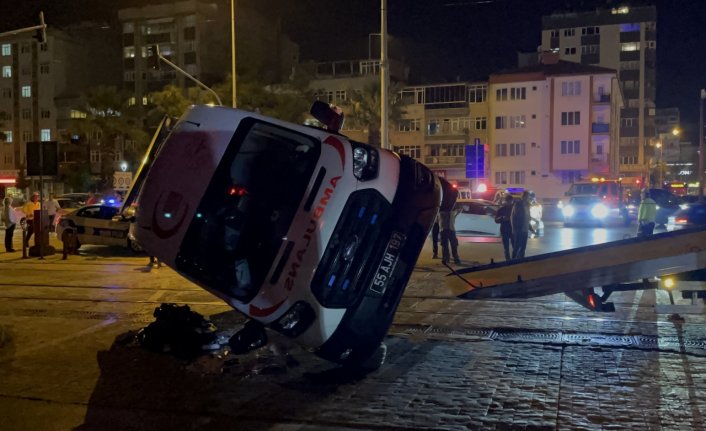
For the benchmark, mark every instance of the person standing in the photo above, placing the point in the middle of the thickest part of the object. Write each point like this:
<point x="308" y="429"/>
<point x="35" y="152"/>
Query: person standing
<point x="502" y="217"/>
<point x="449" y="242"/>
<point x="9" y="219"/>
<point x="435" y="238"/>
<point x="646" y="215"/>
<point x="29" y="208"/>
<point x="92" y="199"/>
<point x="520" y="221"/>
<point x="51" y="206"/>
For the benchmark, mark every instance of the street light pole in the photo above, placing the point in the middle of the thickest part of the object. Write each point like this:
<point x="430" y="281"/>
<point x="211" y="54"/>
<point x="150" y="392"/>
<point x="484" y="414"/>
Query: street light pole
<point x="384" y="80"/>
<point x="232" y="50"/>
<point x="702" y="96"/>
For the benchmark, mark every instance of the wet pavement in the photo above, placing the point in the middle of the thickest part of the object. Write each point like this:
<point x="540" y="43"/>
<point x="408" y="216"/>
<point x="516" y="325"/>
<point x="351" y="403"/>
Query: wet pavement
<point x="69" y="360"/>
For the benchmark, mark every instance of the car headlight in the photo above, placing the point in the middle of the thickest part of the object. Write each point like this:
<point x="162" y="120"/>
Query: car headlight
<point x="560" y="205"/>
<point x="683" y="206"/>
<point x="365" y="162"/>
<point x="568" y="211"/>
<point x="599" y="211"/>
<point x="296" y="320"/>
<point x="631" y="207"/>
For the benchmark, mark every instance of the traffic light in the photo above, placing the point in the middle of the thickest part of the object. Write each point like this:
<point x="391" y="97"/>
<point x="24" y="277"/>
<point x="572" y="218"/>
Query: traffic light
<point x="41" y="33"/>
<point x="153" y="59"/>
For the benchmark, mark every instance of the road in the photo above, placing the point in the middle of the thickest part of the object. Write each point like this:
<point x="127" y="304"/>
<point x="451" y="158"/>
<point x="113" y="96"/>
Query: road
<point x="68" y="359"/>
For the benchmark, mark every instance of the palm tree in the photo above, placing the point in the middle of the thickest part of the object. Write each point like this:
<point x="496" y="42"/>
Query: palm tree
<point x="363" y="108"/>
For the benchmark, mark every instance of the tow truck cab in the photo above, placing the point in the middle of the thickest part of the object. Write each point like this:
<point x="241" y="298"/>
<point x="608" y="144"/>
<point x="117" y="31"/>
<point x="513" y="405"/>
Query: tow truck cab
<point x="301" y="229"/>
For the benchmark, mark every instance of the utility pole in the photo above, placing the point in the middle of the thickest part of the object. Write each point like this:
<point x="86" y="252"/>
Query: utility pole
<point x="157" y="57"/>
<point x="232" y="48"/>
<point x="384" y="77"/>
<point x="702" y="96"/>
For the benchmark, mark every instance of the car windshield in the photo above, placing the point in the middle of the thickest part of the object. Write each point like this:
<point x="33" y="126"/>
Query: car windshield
<point x="583" y="189"/>
<point x="248" y="207"/>
<point x="584" y="200"/>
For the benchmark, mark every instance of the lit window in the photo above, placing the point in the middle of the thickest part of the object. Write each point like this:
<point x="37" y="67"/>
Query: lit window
<point x="630" y="46"/>
<point x="77" y="114"/>
<point x="8" y="136"/>
<point x="144" y="100"/>
<point x="6" y="49"/>
<point x="129" y="52"/>
<point x="131" y="101"/>
<point x="45" y="134"/>
<point x="7" y="71"/>
<point x="26" y="91"/>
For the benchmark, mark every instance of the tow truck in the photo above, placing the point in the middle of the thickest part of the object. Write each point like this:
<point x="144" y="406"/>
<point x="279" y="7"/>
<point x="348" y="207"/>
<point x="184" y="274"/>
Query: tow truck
<point x="656" y="261"/>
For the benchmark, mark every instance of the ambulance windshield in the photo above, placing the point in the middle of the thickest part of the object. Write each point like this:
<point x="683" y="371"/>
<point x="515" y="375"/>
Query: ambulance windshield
<point x="249" y="205"/>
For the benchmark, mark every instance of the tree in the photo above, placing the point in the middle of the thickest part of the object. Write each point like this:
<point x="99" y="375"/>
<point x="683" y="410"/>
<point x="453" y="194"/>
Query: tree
<point x="288" y="101"/>
<point x="113" y="128"/>
<point x="363" y="108"/>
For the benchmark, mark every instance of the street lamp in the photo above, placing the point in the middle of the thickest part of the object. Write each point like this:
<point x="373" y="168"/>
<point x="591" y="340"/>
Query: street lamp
<point x="232" y="49"/>
<point x="658" y="145"/>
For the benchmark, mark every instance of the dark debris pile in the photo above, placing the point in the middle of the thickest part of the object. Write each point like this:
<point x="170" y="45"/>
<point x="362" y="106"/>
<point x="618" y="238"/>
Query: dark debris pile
<point x="179" y="331"/>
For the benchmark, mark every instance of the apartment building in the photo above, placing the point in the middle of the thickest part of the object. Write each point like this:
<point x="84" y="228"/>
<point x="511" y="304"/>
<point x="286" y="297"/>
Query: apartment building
<point x="27" y="110"/>
<point x="623" y="39"/>
<point x="196" y="36"/>
<point x="551" y="124"/>
<point x="40" y="84"/>
<point x="440" y="123"/>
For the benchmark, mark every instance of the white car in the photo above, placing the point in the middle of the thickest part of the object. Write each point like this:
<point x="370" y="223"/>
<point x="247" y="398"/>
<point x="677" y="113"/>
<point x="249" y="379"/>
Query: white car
<point x="477" y="217"/>
<point x="97" y="224"/>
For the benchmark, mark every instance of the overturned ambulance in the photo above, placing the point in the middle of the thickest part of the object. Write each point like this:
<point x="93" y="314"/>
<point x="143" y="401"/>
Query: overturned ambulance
<point x="306" y="232"/>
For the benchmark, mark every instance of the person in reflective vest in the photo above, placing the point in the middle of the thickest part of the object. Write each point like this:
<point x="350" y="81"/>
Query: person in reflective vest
<point x="646" y="215"/>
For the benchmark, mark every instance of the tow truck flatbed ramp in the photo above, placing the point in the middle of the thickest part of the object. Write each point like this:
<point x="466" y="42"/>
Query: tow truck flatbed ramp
<point x="601" y="265"/>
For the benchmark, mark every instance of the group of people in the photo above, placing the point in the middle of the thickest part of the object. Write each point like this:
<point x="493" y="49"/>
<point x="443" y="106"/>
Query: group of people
<point x="10" y="218"/>
<point x="515" y="225"/>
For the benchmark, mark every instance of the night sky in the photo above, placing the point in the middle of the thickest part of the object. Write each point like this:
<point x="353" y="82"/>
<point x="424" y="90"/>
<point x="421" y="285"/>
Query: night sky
<point x="452" y="39"/>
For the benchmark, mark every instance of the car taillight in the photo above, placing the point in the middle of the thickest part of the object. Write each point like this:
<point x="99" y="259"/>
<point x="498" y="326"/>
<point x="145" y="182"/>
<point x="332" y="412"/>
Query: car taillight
<point x="681" y="220"/>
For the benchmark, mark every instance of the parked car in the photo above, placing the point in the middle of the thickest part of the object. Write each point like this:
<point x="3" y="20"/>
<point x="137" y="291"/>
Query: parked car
<point x="692" y="216"/>
<point x="667" y="204"/>
<point x="95" y="224"/>
<point x="477" y="217"/>
<point x="67" y="206"/>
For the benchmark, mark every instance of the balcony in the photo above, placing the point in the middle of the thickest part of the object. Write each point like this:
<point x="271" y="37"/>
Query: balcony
<point x="600" y="128"/>
<point x="444" y="160"/>
<point x="601" y="98"/>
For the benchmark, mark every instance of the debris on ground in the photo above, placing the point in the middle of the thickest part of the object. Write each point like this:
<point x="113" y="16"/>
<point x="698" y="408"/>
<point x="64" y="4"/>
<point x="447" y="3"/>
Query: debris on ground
<point x="180" y="331"/>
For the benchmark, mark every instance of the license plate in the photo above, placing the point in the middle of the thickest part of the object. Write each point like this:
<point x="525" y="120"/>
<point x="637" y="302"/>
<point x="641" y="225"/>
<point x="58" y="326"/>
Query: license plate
<point x="387" y="265"/>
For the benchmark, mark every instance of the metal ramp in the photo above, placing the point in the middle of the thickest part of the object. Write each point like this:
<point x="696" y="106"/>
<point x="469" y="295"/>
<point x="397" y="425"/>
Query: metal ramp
<point x="617" y="265"/>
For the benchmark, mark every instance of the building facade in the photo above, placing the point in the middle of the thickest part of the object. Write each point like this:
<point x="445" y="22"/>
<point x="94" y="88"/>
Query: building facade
<point x="552" y="124"/>
<point x="195" y="35"/>
<point x="27" y="110"/>
<point x="623" y="39"/>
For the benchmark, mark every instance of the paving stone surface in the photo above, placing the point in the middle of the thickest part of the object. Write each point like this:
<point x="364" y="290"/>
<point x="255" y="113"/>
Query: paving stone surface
<point x="68" y="360"/>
